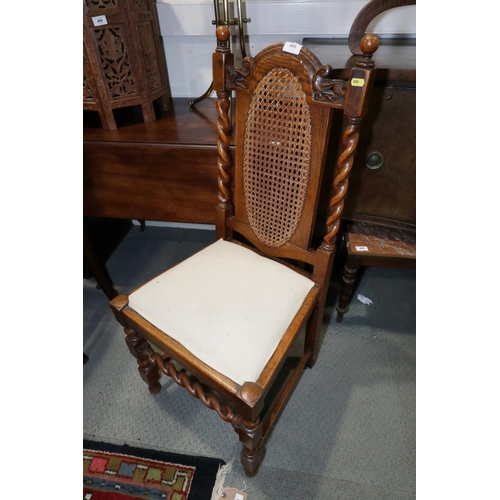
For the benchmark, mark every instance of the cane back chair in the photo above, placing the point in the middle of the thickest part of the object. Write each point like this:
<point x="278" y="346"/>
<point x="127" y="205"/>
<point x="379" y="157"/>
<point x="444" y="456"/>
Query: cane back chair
<point x="229" y="314"/>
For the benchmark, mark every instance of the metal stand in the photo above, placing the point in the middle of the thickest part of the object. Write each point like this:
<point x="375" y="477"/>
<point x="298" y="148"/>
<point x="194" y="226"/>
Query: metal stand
<point x="225" y="21"/>
<point x="199" y="99"/>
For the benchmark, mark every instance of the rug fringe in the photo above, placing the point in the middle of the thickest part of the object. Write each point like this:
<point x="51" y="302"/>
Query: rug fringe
<point x="220" y="479"/>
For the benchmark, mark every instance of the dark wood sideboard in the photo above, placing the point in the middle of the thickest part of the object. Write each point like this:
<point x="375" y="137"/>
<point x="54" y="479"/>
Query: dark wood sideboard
<point x="165" y="170"/>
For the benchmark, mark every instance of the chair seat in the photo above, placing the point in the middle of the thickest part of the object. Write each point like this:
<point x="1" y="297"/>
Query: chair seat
<point x="227" y="305"/>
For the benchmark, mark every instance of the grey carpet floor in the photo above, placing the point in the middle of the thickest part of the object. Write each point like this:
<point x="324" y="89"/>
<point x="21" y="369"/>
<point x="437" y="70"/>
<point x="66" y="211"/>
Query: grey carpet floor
<point x="348" y="432"/>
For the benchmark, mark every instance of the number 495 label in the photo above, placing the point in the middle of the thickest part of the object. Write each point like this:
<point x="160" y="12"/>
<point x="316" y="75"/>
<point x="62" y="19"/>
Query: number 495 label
<point x="99" y="20"/>
<point x="292" y="47"/>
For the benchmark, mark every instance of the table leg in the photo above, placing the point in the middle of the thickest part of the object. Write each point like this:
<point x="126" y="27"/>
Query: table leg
<point x="96" y="267"/>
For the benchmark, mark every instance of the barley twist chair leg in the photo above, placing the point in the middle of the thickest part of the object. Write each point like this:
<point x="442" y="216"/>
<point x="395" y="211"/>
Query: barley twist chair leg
<point x="140" y="348"/>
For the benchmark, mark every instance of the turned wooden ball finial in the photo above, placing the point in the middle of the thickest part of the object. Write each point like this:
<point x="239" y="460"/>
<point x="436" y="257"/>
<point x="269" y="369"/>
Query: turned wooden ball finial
<point x="250" y="392"/>
<point x="369" y="44"/>
<point x="223" y="33"/>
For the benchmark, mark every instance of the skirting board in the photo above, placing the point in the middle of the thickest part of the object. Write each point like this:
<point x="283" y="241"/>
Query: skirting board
<point x="180" y="225"/>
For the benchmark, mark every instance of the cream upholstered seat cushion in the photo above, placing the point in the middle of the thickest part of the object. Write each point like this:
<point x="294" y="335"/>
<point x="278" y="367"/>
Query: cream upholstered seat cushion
<point x="227" y="305"/>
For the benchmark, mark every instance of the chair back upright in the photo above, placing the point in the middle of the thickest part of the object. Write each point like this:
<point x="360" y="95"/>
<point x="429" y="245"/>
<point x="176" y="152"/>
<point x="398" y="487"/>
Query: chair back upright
<point x="284" y="101"/>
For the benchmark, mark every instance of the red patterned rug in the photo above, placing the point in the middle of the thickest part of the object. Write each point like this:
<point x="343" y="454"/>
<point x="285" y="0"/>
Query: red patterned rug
<point x="112" y="472"/>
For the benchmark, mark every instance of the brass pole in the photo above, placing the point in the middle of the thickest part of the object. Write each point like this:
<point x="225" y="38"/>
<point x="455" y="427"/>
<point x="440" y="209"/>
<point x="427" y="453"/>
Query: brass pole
<point x="226" y="21"/>
<point x="226" y="12"/>
<point x="241" y="21"/>
<point x="217" y="15"/>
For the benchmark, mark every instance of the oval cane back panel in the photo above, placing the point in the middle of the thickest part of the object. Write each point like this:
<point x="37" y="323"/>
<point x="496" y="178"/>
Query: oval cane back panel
<point x="276" y="157"/>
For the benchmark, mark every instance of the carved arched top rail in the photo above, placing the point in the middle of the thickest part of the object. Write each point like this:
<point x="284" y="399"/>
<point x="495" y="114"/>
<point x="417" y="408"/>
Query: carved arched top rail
<point x="305" y="60"/>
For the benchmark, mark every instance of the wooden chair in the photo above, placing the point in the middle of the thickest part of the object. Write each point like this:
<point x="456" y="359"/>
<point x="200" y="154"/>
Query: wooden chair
<point x="229" y="315"/>
<point x="373" y="245"/>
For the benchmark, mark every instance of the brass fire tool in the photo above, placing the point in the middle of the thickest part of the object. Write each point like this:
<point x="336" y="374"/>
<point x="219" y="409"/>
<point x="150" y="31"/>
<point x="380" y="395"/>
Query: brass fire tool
<point x="240" y="21"/>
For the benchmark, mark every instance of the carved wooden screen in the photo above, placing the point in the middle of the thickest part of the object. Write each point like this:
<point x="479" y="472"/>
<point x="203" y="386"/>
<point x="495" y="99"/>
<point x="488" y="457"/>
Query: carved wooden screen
<point x="279" y="159"/>
<point x="124" y="64"/>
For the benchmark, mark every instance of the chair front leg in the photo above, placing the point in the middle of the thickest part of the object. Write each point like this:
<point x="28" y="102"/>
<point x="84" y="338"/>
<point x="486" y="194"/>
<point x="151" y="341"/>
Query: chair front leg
<point x="140" y="348"/>
<point x="251" y="460"/>
<point x="253" y="450"/>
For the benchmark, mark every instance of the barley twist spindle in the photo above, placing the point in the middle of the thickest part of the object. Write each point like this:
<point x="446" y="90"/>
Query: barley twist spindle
<point x="224" y="161"/>
<point x="195" y="389"/>
<point x="350" y="137"/>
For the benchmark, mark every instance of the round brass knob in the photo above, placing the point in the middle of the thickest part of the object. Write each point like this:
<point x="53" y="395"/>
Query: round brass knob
<point x="374" y="160"/>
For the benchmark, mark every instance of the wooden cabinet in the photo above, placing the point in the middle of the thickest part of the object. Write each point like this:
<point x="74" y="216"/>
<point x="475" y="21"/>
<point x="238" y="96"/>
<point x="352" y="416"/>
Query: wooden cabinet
<point x="382" y="183"/>
<point x="165" y="170"/>
<point x="382" y="186"/>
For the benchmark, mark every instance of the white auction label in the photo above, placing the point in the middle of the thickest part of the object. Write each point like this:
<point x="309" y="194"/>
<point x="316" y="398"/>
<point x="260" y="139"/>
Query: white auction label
<point x="292" y="47"/>
<point x="362" y="249"/>
<point x="99" y="20"/>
